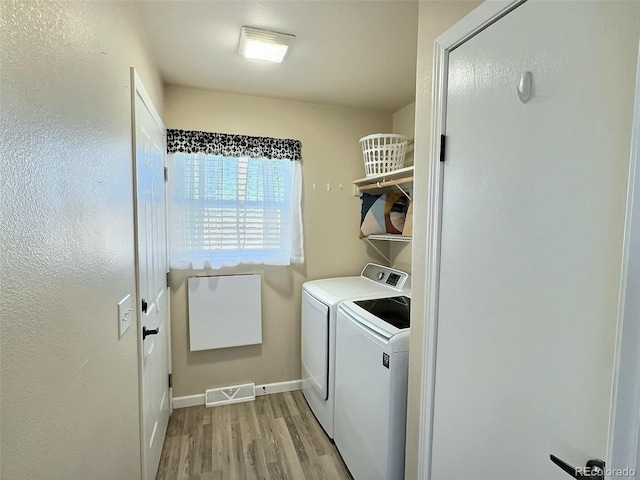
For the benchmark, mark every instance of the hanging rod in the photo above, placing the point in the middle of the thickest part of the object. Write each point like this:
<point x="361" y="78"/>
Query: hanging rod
<point x="386" y="183"/>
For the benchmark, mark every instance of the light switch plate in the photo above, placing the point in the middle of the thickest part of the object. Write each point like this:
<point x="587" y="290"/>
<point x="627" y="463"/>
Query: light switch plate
<point x="124" y="315"/>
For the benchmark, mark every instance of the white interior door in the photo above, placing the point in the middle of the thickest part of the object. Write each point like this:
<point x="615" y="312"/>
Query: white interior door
<point x="533" y="213"/>
<point x="151" y="243"/>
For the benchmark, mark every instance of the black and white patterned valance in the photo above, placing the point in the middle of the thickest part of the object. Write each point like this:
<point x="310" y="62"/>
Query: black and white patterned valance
<point x="192" y="141"/>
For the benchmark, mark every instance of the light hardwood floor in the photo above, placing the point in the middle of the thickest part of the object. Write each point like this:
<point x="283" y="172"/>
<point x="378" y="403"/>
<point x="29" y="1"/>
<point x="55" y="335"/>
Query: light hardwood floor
<point x="274" y="437"/>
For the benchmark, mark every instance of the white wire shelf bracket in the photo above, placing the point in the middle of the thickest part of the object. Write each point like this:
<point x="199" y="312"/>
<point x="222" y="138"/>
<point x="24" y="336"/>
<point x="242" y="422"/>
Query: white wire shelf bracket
<point x="388" y="237"/>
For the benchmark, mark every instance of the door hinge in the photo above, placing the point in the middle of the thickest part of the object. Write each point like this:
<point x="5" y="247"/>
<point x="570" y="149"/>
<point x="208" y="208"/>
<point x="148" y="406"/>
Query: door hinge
<point x="168" y="280"/>
<point x="443" y="143"/>
<point x="166" y="174"/>
<point x="171" y="380"/>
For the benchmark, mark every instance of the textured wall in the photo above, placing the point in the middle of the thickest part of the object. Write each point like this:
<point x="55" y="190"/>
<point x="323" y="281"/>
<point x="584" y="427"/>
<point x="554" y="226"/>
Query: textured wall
<point x="69" y="395"/>
<point x="331" y="154"/>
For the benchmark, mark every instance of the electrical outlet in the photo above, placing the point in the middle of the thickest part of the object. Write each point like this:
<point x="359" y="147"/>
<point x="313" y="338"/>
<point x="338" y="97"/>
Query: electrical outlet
<point x="124" y="315"/>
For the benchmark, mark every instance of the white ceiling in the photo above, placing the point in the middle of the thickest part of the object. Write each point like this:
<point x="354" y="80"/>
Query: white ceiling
<point x="355" y="53"/>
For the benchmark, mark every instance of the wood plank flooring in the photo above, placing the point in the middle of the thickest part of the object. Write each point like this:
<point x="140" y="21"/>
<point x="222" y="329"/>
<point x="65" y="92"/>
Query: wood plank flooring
<point x="274" y="437"/>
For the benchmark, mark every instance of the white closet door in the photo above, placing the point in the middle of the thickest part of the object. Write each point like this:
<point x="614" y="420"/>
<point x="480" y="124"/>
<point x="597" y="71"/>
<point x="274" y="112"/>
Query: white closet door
<point x="533" y="216"/>
<point x="151" y="256"/>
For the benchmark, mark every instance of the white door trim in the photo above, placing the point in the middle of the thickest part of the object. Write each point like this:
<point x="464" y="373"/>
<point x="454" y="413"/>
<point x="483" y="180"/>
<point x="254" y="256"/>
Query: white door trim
<point x="624" y="435"/>
<point x="625" y="416"/>
<point x="467" y="27"/>
<point x="139" y="88"/>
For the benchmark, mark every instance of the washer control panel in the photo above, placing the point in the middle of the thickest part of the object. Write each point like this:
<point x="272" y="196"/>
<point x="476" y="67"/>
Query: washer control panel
<point x="387" y="276"/>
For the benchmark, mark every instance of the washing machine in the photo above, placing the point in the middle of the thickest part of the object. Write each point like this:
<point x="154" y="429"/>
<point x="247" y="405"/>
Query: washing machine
<point x="372" y="364"/>
<point x="320" y="300"/>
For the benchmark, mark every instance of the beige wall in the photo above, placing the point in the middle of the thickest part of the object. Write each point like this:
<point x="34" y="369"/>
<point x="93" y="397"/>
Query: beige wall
<point x="331" y="155"/>
<point x="69" y="386"/>
<point x="403" y="124"/>
<point x="434" y="19"/>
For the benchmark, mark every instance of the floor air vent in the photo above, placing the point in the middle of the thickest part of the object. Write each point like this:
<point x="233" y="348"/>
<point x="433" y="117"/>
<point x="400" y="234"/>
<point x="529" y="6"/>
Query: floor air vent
<point x="227" y="395"/>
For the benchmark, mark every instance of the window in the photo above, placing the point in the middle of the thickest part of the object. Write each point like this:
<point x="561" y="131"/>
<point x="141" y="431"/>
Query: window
<point x="226" y="210"/>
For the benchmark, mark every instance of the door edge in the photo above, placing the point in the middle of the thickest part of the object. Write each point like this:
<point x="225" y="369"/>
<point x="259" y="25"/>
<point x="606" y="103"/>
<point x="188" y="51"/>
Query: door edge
<point x="623" y="450"/>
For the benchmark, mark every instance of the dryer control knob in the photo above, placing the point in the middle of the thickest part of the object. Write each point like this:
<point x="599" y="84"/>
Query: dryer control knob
<point x="380" y="275"/>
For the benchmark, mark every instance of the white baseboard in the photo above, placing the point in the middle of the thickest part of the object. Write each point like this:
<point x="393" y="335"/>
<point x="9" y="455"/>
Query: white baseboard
<point x="266" y="389"/>
<point x="278" y="387"/>
<point x="188" y="401"/>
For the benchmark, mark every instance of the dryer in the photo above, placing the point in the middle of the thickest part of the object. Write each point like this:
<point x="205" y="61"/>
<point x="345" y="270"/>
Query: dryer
<point x="372" y="365"/>
<point x="320" y="299"/>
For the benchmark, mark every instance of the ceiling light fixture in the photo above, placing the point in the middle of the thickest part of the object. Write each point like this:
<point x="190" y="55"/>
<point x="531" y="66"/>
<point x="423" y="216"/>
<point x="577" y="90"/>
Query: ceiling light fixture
<point x="264" y="45"/>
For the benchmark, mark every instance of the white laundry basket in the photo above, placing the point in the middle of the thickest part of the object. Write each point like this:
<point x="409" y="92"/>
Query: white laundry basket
<point x="383" y="152"/>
